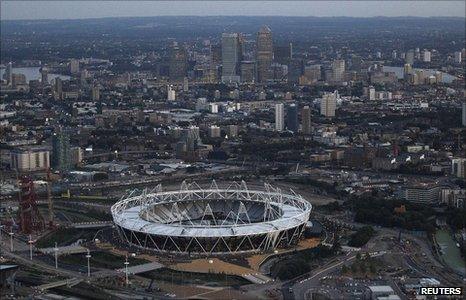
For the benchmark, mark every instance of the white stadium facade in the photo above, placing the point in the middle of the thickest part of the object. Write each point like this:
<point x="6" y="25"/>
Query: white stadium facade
<point x="213" y="220"/>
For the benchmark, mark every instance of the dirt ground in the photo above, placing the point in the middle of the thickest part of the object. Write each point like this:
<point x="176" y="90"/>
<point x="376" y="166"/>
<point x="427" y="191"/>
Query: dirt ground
<point x="212" y="265"/>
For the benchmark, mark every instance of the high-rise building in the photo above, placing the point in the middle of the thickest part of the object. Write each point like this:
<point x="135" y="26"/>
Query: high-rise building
<point x="409" y="59"/>
<point x="338" y="70"/>
<point x="306" y="120"/>
<point x="295" y="70"/>
<point x="458" y="167"/>
<point x="279" y="117"/>
<point x="426" y="56"/>
<point x="61" y="151"/>
<point x="74" y="66"/>
<point x="371" y="93"/>
<point x="95" y="93"/>
<point x="58" y="90"/>
<point x="328" y="105"/>
<point x="458" y="58"/>
<point x="9" y="73"/>
<point x="178" y="64"/>
<point x="171" y="93"/>
<point x="292" y="117"/>
<point x="264" y="54"/>
<point x="248" y="71"/>
<point x="231" y="57"/>
<point x="282" y="54"/>
<point x="214" y="131"/>
<point x="44" y="72"/>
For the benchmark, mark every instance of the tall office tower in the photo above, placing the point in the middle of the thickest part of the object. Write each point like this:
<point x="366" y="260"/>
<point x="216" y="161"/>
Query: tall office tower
<point x="248" y="71"/>
<point x="371" y="93"/>
<point x="74" y="66"/>
<point x="171" y="93"/>
<point x="338" y="70"/>
<point x="61" y="151"/>
<point x="44" y="72"/>
<point x="409" y="59"/>
<point x="9" y="73"/>
<point x="328" y="105"/>
<point x="192" y="138"/>
<point x="458" y="58"/>
<point x="292" y="117"/>
<point x="58" y="90"/>
<point x="177" y="64"/>
<point x="231" y="56"/>
<point x="464" y="113"/>
<point x="295" y="70"/>
<point x="426" y="56"/>
<point x="282" y="54"/>
<point x="216" y="54"/>
<point x="95" y="93"/>
<point x="279" y="117"/>
<point x="306" y="120"/>
<point x="394" y="54"/>
<point x="264" y="54"/>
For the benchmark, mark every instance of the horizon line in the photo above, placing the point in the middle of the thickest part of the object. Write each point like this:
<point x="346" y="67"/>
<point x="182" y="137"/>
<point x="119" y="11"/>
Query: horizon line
<point x="244" y="16"/>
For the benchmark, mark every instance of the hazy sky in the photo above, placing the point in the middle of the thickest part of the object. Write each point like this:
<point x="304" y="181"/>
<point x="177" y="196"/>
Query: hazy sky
<point x="87" y="9"/>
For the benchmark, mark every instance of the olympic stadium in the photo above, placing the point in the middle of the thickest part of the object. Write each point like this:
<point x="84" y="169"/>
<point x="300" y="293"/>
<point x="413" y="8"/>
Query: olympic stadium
<point x="212" y="221"/>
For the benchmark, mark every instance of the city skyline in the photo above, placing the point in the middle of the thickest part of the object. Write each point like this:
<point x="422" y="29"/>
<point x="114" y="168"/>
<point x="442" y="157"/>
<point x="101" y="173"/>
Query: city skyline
<point x="37" y="10"/>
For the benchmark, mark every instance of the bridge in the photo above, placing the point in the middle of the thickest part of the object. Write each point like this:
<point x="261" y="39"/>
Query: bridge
<point x="64" y="250"/>
<point x="142" y="268"/>
<point x="68" y="282"/>
<point x="90" y="225"/>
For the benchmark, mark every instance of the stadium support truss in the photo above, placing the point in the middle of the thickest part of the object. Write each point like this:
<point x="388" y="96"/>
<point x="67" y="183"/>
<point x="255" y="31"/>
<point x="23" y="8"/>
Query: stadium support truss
<point x="211" y="221"/>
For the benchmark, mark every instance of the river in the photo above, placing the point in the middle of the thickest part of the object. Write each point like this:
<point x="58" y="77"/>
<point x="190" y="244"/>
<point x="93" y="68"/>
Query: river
<point x="399" y="72"/>
<point x="32" y="73"/>
<point x="450" y="252"/>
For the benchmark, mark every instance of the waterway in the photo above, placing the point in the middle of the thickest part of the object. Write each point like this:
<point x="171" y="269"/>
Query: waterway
<point x="399" y="72"/>
<point x="450" y="252"/>
<point x="32" y="73"/>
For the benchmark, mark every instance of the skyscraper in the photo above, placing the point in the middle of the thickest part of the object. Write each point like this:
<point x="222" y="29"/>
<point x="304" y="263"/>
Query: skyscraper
<point x="279" y="117"/>
<point x="409" y="57"/>
<point x="74" y="66"/>
<point x="248" y="71"/>
<point x="282" y="54"/>
<point x="58" y="90"/>
<point x="178" y="64"/>
<point x="44" y="72"/>
<point x="231" y="56"/>
<point x="292" y="117"/>
<point x="458" y="57"/>
<point x="338" y="70"/>
<point x="306" y="120"/>
<point x="95" y="93"/>
<point x="328" y="105"/>
<point x="295" y="70"/>
<point x="9" y="73"/>
<point x="61" y="158"/>
<point x="264" y="54"/>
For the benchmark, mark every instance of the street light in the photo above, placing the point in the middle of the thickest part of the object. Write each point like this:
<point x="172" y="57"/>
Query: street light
<point x="88" y="256"/>
<point x="30" y="246"/>
<point x="11" y="240"/>
<point x="56" y="255"/>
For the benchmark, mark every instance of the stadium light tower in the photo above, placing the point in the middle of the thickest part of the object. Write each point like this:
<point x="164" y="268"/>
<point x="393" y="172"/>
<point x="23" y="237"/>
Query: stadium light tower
<point x="56" y="255"/>
<point x="88" y="256"/>
<point x="126" y="269"/>
<point x="11" y="240"/>
<point x="30" y="246"/>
